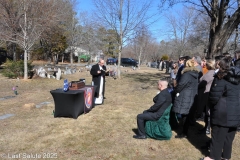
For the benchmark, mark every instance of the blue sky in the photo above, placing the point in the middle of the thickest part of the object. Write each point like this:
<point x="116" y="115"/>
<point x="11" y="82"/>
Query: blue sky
<point x="158" y="29"/>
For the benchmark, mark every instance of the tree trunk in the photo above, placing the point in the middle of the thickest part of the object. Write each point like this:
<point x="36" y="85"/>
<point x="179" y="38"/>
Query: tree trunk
<point x="120" y="38"/>
<point x="71" y="57"/>
<point x="62" y="57"/>
<point x="236" y="39"/>
<point x="25" y="64"/>
<point x="57" y="58"/>
<point x="25" y="44"/>
<point x="139" y="57"/>
<point x="119" y="61"/>
<point x="14" y="52"/>
<point x="220" y="31"/>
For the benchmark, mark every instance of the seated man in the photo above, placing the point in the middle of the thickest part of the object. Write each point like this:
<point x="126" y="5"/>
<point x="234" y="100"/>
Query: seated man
<point x="161" y="102"/>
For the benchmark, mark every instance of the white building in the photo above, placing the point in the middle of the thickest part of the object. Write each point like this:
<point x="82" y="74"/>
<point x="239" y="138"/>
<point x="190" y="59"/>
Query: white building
<point x="77" y="51"/>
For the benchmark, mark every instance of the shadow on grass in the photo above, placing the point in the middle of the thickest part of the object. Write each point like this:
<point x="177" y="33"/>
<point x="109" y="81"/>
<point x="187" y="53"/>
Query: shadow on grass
<point x="199" y="140"/>
<point x="148" y="78"/>
<point x="135" y="131"/>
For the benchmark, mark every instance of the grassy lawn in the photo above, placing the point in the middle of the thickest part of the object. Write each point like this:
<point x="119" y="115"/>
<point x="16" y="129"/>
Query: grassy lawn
<point x="104" y="133"/>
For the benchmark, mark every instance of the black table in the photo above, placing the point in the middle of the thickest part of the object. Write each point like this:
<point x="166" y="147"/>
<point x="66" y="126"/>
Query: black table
<point x="73" y="102"/>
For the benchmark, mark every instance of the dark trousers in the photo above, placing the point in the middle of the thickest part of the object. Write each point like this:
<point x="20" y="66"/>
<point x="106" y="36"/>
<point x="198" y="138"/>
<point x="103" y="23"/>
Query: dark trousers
<point x="184" y="123"/>
<point x="162" y="66"/>
<point x="207" y="122"/>
<point x="221" y="144"/>
<point x="167" y="70"/>
<point x="141" y="119"/>
<point x="192" y="111"/>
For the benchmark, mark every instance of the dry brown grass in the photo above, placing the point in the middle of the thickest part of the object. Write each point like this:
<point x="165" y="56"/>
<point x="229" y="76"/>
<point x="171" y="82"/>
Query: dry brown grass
<point x="104" y="133"/>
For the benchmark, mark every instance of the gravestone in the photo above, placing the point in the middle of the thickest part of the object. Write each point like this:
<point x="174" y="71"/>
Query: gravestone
<point x="6" y="116"/>
<point x="58" y="74"/>
<point x="42" y="104"/>
<point x="68" y="71"/>
<point x="7" y="97"/>
<point x="41" y="72"/>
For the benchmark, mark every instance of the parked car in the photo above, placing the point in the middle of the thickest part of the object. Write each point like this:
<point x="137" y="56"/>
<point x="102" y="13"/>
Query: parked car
<point x="153" y="65"/>
<point x="111" y="61"/>
<point x="128" y="62"/>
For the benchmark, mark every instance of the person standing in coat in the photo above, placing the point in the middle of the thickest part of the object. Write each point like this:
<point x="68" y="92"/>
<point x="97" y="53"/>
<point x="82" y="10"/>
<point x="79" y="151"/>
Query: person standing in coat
<point x="179" y="71"/>
<point x="204" y="67"/>
<point x="224" y="103"/>
<point x="158" y="63"/>
<point x="161" y="102"/>
<point x="161" y="65"/>
<point x="198" y="63"/>
<point x="181" y="61"/>
<point x="170" y="65"/>
<point x="167" y="66"/>
<point x="203" y="93"/>
<point x="98" y="72"/>
<point x="237" y="64"/>
<point x="186" y="90"/>
<point x="192" y="114"/>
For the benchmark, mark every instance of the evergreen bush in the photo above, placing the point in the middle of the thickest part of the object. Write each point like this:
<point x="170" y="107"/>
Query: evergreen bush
<point x="14" y="69"/>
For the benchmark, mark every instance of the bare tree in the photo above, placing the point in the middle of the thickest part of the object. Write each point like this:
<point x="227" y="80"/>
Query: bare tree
<point x="140" y="41"/>
<point x="153" y="51"/>
<point x="33" y="18"/>
<point x="9" y="20"/>
<point x="224" y="15"/>
<point x="198" y="38"/>
<point x="180" y="27"/>
<point x="166" y="48"/>
<point x="75" y="29"/>
<point x="123" y="16"/>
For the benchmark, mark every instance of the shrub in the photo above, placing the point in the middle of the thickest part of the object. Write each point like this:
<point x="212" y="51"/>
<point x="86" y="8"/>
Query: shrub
<point x="165" y="57"/>
<point x="14" y="69"/>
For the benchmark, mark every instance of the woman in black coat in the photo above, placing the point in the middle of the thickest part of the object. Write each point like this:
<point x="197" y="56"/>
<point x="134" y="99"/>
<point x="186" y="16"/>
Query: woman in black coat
<point x="186" y="90"/>
<point x="224" y="103"/>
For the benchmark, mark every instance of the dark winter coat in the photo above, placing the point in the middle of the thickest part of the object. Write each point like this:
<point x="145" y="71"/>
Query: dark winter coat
<point x="187" y="89"/>
<point x="161" y="102"/>
<point x="96" y="77"/>
<point x="224" y="100"/>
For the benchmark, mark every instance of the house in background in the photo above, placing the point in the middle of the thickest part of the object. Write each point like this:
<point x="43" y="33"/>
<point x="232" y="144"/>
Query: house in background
<point x="98" y="54"/>
<point x="84" y="55"/>
<point x="77" y="51"/>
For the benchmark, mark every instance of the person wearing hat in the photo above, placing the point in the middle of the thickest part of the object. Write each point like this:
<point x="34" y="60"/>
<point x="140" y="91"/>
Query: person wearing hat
<point x="185" y="91"/>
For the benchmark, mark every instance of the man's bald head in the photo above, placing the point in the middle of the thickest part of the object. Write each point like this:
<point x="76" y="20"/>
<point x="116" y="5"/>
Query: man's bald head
<point x="101" y="62"/>
<point x="162" y="84"/>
